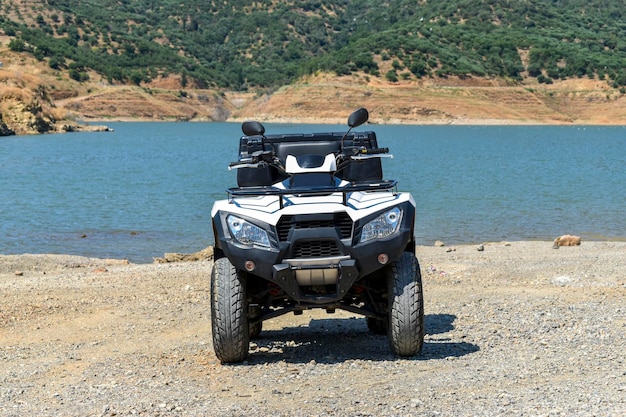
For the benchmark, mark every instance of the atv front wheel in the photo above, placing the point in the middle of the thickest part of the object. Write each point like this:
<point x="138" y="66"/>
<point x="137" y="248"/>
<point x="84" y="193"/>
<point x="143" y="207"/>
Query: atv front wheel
<point x="406" y="306"/>
<point x="229" y="312"/>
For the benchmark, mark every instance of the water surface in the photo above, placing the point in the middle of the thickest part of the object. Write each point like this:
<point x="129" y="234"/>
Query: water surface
<point x="147" y="188"/>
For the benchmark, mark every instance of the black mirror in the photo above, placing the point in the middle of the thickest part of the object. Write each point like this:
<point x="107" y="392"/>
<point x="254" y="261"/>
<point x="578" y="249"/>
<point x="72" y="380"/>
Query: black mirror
<point x="252" y="128"/>
<point x="358" y="117"/>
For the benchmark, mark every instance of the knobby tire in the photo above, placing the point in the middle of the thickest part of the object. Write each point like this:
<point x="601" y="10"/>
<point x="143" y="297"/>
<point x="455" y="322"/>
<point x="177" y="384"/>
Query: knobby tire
<point x="229" y="312"/>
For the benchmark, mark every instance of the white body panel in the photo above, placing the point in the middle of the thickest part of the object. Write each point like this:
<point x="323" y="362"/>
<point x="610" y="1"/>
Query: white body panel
<point x="267" y="208"/>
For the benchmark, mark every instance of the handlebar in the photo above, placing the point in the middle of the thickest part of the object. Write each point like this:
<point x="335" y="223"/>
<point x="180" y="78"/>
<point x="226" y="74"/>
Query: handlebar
<point x="374" y="151"/>
<point x="364" y="153"/>
<point x="247" y="161"/>
<point x="263" y="158"/>
<point x="258" y="159"/>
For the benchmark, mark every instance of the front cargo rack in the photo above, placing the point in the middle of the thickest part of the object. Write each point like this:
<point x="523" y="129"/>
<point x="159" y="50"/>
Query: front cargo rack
<point x="311" y="191"/>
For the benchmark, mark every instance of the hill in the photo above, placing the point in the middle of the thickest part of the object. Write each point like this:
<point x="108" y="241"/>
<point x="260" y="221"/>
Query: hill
<point x="461" y="61"/>
<point x="35" y="99"/>
<point x="244" y="44"/>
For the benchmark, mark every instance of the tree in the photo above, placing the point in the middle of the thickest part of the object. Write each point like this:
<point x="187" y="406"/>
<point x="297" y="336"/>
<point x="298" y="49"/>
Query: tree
<point x="17" y="45"/>
<point x="391" y="76"/>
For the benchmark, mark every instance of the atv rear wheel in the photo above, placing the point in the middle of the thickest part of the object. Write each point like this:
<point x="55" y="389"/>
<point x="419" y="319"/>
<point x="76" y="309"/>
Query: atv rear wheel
<point x="406" y="306"/>
<point x="229" y="312"/>
<point x="256" y="327"/>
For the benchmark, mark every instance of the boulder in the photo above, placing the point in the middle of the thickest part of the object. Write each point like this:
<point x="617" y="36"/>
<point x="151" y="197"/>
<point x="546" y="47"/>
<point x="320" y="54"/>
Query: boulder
<point x="566" y="240"/>
<point x="203" y="255"/>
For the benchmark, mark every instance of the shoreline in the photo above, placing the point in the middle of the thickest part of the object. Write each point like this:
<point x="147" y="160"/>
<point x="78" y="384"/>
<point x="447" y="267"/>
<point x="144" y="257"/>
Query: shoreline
<point x="206" y="254"/>
<point x="517" y="329"/>
<point x="342" y="121"/>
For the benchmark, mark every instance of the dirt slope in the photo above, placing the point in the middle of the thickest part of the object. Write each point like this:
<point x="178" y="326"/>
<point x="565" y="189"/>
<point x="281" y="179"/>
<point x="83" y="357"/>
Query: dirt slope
<point x="33" y="95"/>
<point x="331" y="99"/>
<point x="442" y="101"/>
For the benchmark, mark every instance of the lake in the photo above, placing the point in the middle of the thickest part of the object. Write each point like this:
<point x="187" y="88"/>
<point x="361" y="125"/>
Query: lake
<point x="147" y="188"/>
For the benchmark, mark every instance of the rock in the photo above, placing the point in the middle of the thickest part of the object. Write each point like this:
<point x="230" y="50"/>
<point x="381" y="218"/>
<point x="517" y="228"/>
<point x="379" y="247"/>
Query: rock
<point x="71" y="127"/>
<point x="439" y="244"/>
<point x="204" y="254"/>
<point x="28" y="111"/>
<point x="566" y="240"/>
<point x="480" y="248"/>
<point x="110" y="261"/>
<point x="4" y="129"/>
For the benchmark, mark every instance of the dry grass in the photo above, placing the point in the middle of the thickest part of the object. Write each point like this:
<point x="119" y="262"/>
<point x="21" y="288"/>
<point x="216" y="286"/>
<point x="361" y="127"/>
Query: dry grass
<point x="16" y="93"/>
<point x="58" y="113"/>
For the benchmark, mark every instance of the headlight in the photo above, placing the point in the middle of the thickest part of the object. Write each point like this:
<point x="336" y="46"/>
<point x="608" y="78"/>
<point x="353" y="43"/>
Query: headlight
<point x="382" y="226"/>
<point x="247" y="233"/>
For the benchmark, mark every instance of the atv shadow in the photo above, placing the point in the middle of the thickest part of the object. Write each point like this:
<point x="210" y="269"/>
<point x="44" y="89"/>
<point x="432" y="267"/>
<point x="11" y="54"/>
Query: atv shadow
<point x="337" y="340"/>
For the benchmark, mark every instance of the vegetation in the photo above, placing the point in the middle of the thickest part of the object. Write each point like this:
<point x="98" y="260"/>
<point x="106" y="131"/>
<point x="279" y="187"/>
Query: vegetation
<point x="241" y="43"/>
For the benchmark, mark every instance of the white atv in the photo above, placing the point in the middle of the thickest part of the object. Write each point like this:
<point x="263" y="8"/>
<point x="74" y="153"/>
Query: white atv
<point x="312" y="224"/>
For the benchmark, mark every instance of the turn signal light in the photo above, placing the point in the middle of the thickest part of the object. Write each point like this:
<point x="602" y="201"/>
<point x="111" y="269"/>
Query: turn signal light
<point x="250" y="266"/>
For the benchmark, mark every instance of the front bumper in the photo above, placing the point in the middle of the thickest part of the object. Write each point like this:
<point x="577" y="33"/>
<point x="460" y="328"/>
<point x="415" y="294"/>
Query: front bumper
<point x="336" y="272"/>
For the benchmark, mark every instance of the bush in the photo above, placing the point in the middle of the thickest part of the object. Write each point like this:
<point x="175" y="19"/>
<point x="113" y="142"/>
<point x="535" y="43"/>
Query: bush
<point x="391" y="76"/>
<point x="80" y="76"/>
<point x="17" y="45"/>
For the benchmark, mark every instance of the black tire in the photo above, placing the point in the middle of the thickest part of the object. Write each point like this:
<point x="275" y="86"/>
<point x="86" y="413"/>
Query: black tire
<point x="229" y="312"/>
<point x="406" y="306"/>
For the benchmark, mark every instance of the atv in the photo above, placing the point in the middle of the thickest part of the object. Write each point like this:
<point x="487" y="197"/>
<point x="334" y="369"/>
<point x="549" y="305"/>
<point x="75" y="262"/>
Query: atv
<point x="313" y="224"/>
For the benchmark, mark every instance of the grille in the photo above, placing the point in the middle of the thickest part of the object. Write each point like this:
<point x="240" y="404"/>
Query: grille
<point x="341" y="221"/>
<point x="315" y="249"/>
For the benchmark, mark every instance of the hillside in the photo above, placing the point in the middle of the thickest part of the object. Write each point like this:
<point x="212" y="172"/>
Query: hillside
<point x="461" y="61"/>
<point x="36" y="99"/>
<point x="244" y="45"/>
<point x="455" y="101"/>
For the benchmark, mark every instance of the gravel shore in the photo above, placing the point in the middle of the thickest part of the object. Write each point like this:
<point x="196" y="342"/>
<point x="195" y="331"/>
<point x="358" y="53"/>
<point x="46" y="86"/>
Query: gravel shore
<point x="517" y="329"/>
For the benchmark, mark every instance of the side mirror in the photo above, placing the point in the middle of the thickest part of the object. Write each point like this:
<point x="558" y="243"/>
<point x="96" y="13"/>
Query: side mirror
<point x="358" y="117"/>
<point x="252" y="128"/>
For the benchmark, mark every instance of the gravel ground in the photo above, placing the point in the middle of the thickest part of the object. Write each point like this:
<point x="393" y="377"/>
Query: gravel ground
<point x="518" y="329"/>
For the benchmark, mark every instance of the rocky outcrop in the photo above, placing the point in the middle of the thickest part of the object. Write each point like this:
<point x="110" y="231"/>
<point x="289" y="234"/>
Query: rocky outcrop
<point x="27" y="118"/>
<point x="26" y="107"/>
<point x="4" y="129"/>
<point x="71" y="127"/>
<point x="32" y="118"/>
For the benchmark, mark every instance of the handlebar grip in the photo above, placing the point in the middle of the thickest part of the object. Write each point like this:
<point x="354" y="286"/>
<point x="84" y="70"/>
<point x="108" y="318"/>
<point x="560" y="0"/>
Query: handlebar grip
<point x="234" y="164"/>
<point x="374" y="151"/>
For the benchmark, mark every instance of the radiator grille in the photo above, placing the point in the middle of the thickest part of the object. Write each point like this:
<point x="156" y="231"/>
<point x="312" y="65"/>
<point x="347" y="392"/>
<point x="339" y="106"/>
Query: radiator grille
<point x="341" y="221"/>
<point x="315" y="249"/>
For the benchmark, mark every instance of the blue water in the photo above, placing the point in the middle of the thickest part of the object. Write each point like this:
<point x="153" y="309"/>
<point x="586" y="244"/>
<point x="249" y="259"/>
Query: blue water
<point x="147" y="188"/>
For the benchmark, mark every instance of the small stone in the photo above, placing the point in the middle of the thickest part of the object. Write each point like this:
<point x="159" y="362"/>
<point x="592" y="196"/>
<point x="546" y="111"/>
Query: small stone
<point x="439" y="244"/>
<point x="480" y="248"/>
